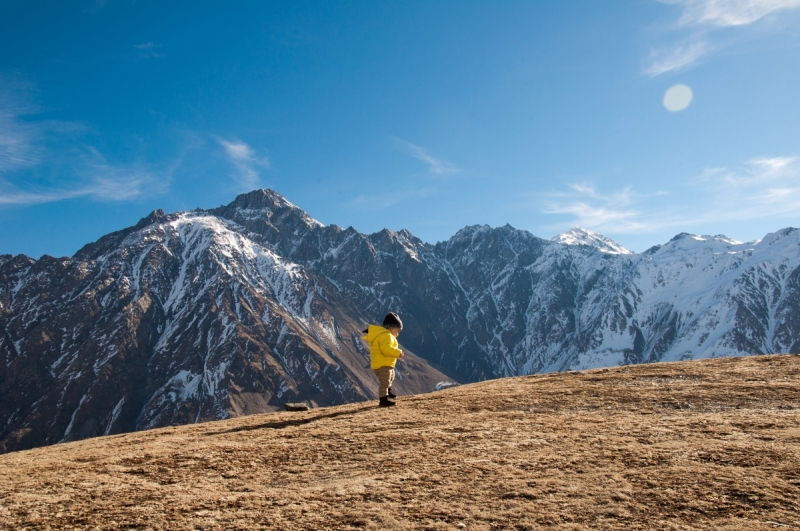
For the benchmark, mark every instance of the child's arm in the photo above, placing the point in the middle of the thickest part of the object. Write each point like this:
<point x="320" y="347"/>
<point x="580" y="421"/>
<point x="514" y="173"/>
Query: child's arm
<point x="385" y="342"/>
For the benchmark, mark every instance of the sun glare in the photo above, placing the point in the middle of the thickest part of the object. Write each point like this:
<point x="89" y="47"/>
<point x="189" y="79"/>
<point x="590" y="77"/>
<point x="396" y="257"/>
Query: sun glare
<point x="677" y="98"/>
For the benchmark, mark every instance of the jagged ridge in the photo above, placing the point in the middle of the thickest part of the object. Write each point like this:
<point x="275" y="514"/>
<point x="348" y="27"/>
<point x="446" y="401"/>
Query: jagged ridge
<point x="209" y="314"/>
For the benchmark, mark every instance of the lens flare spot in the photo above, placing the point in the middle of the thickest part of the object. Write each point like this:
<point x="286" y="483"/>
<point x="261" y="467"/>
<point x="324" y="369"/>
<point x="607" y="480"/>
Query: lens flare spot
<point x="677" y="98"/>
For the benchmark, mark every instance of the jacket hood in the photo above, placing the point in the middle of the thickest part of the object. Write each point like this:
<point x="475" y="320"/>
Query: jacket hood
<point x="374" y="331"/>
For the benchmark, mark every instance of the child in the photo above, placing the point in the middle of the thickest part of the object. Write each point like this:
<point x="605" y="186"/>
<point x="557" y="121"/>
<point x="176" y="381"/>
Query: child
<point x="383" y="354"/>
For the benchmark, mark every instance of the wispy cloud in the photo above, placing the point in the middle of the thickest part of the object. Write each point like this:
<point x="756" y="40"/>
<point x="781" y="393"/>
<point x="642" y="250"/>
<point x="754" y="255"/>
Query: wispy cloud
<point x="122" y="182"/>
<point x="762" y="188"/>
<point x="765" y="187"/>
<point x="103" y="188"/>
<point x="29" y="147"/>
<point x="675" y="59"/>
<point x="773" y="165"/>
<point x="591" y="209"/>
<point x="99" y="180"/>
<point x="436" y="165"/>
<point x="246" y="161"/>
<point x="17" y="197"/>
<point x="108" y="188"/>
<point x="16" y="136"/>
<point x="726" y="13"/>
<point x="148" y="50"/>
<point x="702" y="18"/>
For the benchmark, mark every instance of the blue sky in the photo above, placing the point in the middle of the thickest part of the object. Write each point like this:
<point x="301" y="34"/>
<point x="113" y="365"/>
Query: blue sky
<point x="427" y="115"/>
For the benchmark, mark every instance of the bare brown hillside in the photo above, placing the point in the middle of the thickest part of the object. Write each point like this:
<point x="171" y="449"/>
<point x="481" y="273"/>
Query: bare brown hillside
<point x="711" y="444"/>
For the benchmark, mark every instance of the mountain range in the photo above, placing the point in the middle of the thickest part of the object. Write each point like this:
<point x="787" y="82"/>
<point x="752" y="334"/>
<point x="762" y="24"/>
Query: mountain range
<point x="216" y="313"/>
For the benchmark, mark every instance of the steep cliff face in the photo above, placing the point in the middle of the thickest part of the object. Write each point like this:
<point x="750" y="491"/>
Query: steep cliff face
<point x="209" y="314"/>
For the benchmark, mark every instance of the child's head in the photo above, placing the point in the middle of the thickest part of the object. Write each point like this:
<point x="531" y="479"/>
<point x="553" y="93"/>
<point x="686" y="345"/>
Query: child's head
<point x="393" y="323"/>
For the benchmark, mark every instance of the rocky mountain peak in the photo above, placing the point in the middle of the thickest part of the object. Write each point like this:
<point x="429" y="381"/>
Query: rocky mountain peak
<point x="265" y="203"/>
<point x="273" y="221"/>
<point x="156" y="216"/>
<point x="685" y="242"/>
<point x="107" y="243"/>
<point x="778" y="235"/>
<point x="581" y="236"/>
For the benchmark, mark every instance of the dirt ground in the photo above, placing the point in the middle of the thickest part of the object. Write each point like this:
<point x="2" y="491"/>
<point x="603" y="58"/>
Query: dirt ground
<point x="711" y="444"/>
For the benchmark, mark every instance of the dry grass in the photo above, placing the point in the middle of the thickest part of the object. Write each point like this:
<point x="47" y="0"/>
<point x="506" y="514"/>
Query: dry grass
<point x="712" y="444"/>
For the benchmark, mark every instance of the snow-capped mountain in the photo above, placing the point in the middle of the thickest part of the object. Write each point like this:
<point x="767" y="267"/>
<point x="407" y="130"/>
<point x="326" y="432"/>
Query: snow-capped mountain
<point x="239" y="309"/>
<point x="182" y="318"/>
<point x="579" y="236"/>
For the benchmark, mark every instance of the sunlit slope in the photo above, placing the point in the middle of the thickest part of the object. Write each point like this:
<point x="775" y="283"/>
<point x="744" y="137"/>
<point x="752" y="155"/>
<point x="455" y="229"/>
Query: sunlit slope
<point x="708" y="444"/>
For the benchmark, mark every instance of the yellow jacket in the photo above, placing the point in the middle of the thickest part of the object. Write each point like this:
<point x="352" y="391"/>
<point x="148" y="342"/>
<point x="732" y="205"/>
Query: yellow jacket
<point x="383" y="351"/>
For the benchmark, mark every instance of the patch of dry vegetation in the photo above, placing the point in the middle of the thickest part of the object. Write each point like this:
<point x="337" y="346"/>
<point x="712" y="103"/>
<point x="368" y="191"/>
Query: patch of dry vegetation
<point x="711" y="444"/>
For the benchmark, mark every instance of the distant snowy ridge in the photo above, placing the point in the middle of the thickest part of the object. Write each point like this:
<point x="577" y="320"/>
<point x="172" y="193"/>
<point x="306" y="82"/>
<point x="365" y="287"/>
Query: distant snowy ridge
<point x="579" y="236"/>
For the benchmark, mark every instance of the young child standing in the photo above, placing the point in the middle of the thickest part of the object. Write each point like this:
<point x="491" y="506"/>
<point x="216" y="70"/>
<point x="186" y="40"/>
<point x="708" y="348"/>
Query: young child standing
<point x="384" y="353"/>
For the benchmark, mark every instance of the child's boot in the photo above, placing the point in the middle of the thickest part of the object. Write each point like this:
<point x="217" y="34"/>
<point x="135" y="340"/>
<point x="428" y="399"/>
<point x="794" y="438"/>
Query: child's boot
<point x="385" y="402"/>
<point x="391" y="394"/>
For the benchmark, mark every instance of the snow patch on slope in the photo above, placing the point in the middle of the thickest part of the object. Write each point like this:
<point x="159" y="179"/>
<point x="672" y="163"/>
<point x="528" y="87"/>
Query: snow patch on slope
<point x="579" y="236"/>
